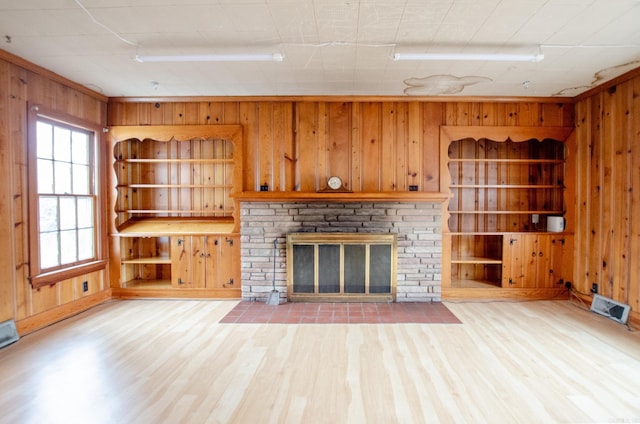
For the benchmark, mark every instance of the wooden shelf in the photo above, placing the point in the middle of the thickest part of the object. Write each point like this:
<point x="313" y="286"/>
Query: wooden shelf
<point x="160" y="260"/>
<point x="501" y="233"/>
<point x="470" y="284"/>
<point x="167" y="227"/>
<point x="298" y="196"/>
<point x="522" y="186"/>
<point x="476" y="260"/>
<point x="212" y="186"/>
<point x="484" y="212"/>
<point x="195" y="161"/>
<point x="148" y="284"/>
<point x="514" y="161"/>
<point x="214" y="213"/>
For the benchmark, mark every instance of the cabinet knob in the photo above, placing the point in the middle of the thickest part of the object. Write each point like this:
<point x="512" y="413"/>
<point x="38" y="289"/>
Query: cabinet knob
<point x="541" y="254"/>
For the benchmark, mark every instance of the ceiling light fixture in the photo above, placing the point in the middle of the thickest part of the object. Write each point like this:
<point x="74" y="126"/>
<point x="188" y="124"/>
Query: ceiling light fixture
<point x="499" y="57"/>
<point x="227" y="57"/>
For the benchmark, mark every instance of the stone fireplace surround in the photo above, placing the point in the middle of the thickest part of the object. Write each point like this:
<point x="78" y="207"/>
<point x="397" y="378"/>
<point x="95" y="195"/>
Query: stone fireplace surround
<point x="418" y="225"/>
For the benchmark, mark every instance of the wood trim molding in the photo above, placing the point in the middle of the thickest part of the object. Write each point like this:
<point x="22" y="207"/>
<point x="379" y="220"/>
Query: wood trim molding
<point x="132" y="293"/>
<point x="25" y="64"/>
<point x="43" y="319"/>
<point x="502" y="294"/>
<point x="178" y="132"/>
<point x="51" y="278"/>
<point x="496" y="133"/>
<point x="328" y="98"/>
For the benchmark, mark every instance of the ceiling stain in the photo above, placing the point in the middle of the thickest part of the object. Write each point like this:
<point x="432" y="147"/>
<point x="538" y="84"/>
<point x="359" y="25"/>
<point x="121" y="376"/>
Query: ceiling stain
<point x="601" y="75"/>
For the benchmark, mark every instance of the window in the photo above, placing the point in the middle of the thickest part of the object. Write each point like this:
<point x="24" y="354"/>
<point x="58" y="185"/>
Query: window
<point x="64" y="196"/>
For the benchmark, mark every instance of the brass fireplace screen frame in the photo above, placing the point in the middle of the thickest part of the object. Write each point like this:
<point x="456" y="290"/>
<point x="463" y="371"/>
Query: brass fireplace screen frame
<point x="342" y="267"/>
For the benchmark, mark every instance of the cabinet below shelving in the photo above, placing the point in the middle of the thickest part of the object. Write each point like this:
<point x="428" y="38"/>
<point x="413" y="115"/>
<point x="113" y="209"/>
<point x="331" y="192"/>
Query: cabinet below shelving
<point x="510" y="260"/>
<point x="178" y="258"/>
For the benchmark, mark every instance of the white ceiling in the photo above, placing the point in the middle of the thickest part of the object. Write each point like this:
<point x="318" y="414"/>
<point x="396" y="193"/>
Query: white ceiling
<point x="330" y="47"/>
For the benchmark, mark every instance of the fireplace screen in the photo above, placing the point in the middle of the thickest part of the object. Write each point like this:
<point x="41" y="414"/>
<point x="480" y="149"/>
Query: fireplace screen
<point x="341" y="266"/>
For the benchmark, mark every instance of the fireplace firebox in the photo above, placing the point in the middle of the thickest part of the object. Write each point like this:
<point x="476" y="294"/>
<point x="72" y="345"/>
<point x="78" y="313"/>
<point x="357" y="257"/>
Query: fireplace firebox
<point x="341" y="267"/>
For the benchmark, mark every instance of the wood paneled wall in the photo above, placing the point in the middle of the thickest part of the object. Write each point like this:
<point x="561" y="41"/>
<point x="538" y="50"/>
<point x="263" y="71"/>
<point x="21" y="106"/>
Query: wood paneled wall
<point x="374" y="146"/>
<point x="294" y="144"/>
<point x="608" y="191"/>
<point x="22" y="84"/>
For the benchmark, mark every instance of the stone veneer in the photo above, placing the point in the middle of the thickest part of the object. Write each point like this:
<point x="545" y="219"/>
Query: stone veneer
<point x="418" y="226"/>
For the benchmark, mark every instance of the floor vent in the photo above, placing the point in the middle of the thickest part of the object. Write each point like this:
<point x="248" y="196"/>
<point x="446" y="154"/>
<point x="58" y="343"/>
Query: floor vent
<point x="610" y="308"/>
<point x="8" y="333"/>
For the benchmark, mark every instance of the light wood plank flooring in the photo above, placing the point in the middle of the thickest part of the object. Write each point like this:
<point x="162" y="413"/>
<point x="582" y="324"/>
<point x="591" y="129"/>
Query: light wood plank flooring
<point x="166" y="361"/>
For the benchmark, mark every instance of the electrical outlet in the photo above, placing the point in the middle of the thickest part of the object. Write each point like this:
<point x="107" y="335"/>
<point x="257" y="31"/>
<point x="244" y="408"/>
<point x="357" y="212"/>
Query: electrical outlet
<point x="594" y="288"/>
<point x="535" y="218"/>
<point x="85" y="286"/>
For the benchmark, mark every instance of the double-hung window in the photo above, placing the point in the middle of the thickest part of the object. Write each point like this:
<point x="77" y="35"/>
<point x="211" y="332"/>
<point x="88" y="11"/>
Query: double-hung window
<point x="64" y="197"/>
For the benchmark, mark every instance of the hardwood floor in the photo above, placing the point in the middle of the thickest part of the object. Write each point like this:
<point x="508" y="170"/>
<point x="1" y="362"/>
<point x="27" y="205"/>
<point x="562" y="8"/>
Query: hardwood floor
<point x="167" y="361"/>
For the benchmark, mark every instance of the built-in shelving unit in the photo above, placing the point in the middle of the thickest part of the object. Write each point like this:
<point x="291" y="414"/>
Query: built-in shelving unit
<point x="153" y="183"/>
<point x="501" y="187"/>
<point x="175" y="217"/>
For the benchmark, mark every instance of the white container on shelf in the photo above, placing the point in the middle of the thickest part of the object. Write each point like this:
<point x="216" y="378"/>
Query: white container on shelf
<point x="555" y="224"/>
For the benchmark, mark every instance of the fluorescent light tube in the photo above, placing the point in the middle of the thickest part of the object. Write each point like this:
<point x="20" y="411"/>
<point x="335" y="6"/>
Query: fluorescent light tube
<point x="500" y="57"/>
<point x="230" y="57"/>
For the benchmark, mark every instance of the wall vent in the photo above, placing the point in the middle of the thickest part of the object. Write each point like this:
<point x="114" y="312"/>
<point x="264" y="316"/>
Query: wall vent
<point x="610" y="308"/>
<point x="8" y="333"/>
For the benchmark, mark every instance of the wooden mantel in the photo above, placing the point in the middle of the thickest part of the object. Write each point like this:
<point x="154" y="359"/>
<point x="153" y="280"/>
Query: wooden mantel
<point x="298" y="196"/>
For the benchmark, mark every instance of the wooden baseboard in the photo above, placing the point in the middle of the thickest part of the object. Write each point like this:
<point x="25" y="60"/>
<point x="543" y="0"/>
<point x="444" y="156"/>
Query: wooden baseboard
<point x="41" y="320"/>
<point x="160" y="293"/>
<point x="497" y="294"/>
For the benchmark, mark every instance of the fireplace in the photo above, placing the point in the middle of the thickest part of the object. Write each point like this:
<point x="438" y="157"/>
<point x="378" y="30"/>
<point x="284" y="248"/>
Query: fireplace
<point x="415" y="225"/>
<point x="341" y="267"/>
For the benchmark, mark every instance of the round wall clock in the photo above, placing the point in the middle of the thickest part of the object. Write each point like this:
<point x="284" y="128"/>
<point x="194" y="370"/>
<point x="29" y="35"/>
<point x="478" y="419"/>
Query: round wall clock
<point x="334" y="183"/>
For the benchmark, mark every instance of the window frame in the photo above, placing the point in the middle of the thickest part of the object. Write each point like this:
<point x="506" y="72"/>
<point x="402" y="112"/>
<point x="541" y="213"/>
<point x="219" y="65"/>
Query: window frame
<point x="49" y="276"/>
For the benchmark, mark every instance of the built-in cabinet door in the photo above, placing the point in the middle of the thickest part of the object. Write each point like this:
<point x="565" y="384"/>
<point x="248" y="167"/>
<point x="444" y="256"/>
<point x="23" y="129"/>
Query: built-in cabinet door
<point x="189" y="258"/>
<point x="183" y="262"/>
<point x="513" y="261"/>
<point x="561" y="248"/>
<point x="205" y="261"/>
<point x="226" y="264"/>
<point x="205" y="252"/>
<point x="535" y="260"/>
